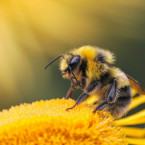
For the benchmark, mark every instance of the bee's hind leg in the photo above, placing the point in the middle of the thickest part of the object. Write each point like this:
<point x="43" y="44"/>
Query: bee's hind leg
<point x="101" y="106"/>
<point x="110" y="97"/>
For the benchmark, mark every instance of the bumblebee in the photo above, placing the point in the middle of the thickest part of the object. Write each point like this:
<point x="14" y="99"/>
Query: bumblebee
<point x="92" y="70"/>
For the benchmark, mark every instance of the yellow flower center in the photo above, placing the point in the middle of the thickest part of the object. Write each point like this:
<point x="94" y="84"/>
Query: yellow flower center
<point x="47" y="122"/>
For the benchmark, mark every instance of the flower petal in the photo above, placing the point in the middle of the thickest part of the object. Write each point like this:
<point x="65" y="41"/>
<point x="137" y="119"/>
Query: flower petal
<point x="136" y="141"/>
<point x="137" y="101"/>
<point x="91" y="99"/>
<point x="134" y="132"/>
<point x="138" y="118"/>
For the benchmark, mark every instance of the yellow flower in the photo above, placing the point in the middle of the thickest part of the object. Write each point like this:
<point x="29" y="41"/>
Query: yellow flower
<point x="47" y="122"/>
<point x="134" y="135"/>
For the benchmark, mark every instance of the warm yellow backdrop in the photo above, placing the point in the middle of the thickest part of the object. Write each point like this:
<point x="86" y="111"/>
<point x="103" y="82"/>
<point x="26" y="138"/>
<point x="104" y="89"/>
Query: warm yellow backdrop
<point x="33" y="32"/>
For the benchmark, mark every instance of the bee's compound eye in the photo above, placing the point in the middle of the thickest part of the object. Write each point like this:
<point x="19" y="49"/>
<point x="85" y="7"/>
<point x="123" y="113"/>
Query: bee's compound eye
<point x="75" y="60"/>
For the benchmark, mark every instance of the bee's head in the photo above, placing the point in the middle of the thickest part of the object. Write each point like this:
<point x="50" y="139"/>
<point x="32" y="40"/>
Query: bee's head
<point x="69" y="64"/>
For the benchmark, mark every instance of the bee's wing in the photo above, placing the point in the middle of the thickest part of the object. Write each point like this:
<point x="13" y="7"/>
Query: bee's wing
<point x="136" y="85"/>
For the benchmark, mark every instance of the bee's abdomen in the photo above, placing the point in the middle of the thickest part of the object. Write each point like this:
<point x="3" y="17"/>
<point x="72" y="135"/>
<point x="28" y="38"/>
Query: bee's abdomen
<point x="120" y="106"/>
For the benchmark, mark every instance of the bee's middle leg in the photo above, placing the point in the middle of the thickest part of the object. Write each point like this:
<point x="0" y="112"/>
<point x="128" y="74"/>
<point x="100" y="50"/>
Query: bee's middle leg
<point x="79" y="100"/>
<point x="83" y="95"/>
<point x="110" y="97"/>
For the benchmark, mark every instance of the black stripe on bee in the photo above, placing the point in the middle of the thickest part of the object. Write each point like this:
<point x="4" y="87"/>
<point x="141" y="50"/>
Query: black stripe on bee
<point x="100" y="57"/>
<point x="106" y="78"/>
<point x="92" y="86"/>
<point x="124" y="96"/>
<point x="83" y="68"/>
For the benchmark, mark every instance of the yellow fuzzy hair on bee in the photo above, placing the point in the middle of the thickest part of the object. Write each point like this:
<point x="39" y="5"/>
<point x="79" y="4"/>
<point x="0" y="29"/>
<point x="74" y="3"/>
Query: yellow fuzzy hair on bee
<point x="90" y="52"/>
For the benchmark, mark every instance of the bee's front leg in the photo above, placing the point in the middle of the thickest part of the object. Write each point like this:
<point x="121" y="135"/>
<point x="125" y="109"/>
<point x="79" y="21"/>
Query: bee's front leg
<point x="71" y="90"/>
<point x="110" y="97"/>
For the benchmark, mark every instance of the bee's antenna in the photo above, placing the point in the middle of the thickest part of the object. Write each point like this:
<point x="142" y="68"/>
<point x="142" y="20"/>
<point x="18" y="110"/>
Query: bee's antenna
<point x="74" y="76"/>
<point x="68" y="65"/>
<point x="53" y="60"/>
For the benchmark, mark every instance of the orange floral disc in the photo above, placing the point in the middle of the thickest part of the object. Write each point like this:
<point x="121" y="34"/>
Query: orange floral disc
<point x="47" y="122"/>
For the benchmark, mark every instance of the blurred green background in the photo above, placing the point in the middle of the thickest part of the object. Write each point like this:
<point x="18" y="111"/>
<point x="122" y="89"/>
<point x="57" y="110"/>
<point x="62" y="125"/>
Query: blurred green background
<point x="34" y="32"/>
